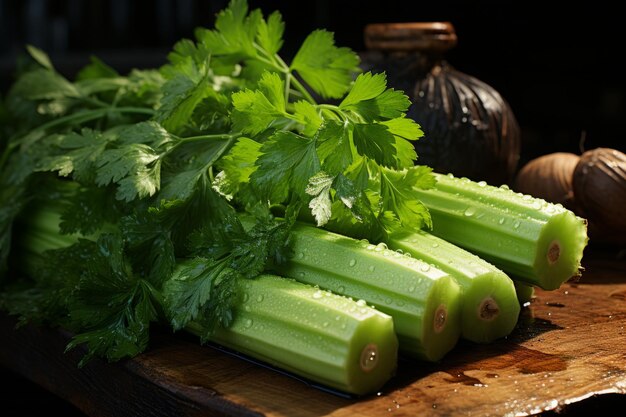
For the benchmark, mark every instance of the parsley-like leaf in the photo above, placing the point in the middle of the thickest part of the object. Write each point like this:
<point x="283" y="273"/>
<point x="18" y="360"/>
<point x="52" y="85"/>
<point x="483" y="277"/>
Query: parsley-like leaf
<point x="334" y="147"/>
<point x="112" y="308"/>
<point x="286" y="163"/>
<point x="255" y="111"/>
<point x="270" y="34"/>
<point x="320" y="205"/>
<point x="376" y="142"/>
<point x="204" y="288"/>
<point x="399" y="197"/>
<point x="325" y="67"/>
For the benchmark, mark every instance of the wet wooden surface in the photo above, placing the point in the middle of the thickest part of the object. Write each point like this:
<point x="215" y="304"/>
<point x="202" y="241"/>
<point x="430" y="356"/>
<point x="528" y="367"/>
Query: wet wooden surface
<point x="569" y="345"/>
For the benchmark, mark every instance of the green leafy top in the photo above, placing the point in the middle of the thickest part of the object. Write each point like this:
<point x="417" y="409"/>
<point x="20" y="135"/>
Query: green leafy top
<point x="154" y="166"/>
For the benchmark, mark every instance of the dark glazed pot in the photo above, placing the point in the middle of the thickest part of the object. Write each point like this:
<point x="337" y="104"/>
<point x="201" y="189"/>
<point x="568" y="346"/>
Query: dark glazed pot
<point x="470" y="130"/>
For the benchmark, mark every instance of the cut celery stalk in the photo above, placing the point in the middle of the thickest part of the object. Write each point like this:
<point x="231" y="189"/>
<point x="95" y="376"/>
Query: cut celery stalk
<point x="323" y="337"/>
<point x="490" y="308"/>
<point x="423" y="300"/>
<point x="534" y="241"/>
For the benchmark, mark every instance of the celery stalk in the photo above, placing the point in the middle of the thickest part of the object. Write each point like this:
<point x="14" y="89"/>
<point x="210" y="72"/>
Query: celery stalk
<point x="423" y="300"/>
<point x="533" y="241"/>
<point x="315" y="334"/>
<point x="490" y="308"/>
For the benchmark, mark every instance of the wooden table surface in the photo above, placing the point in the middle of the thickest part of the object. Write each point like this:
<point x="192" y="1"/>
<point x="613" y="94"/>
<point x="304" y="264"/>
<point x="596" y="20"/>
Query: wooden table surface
<point x="569" y="345"/>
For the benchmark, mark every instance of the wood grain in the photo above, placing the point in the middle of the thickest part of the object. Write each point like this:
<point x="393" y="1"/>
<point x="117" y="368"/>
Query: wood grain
<point x="569" y="344"/>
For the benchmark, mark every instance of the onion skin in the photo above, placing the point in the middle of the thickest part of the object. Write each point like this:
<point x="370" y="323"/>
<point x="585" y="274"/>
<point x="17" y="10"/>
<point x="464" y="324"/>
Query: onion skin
<point x="599" y="184"/>
<point x="549" y="177"/>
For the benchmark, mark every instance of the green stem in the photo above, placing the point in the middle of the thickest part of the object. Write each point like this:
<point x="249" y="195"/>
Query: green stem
<point x="76" y="118"/>
<point x="296" y="83"/>
<point x="333" y="110"/>
<point x="190" y="139"/>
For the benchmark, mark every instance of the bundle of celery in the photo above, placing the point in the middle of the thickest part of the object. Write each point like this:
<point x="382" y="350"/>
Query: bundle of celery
<point x="323" y="337"/>
<point x="122" y="199"/>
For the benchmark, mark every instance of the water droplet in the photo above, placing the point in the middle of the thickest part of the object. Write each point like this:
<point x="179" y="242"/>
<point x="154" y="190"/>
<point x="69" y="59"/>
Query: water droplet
<point x="246" y="308"/>
<point x="371" y="247"/>
<point x="536" y="205"/>
<point x="301" y="274"/>
<point x="300" y="255"/>
<point x="352" y="262"/>
<point x="371" y="268"/>
<point x="411" y="288"/>
<point x="245" y="297"/>
<point x="470" y="211"/>
<point x="318" y="294"/>
<point x="482" y="183"/>
<point x="260" y="298"/>
<point x="504" y="187"/>
<point x="425" y="267"/>
<point x="325" y="324"/>
<point x="516" y="224"/>
<point x="361" y="303"/>
<point x="248" y="323"/>
<point x="501" y="221"/>
<point x="435" y="245"/>
<point x="341" y="289"/>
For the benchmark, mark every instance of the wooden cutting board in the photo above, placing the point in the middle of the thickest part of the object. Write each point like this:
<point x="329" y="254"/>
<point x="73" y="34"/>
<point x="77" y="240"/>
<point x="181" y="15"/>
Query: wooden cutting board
<point x="569" y="344"/>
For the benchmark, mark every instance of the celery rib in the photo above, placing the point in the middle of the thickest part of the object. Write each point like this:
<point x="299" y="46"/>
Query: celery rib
<point x="348" y="346"/>
<point x="490" y="308"/>
<point x="533" y="241"/>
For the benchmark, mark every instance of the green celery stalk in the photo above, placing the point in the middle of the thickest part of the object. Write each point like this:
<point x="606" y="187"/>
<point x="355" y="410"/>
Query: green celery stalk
<point x="490" y="308"/>
<point x="324" y="337"/>
<point x="533" y="241"/>
<point x="423" y="300"/>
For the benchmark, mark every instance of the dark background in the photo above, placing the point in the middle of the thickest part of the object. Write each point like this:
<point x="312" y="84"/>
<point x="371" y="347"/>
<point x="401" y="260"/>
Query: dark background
<point x="557" y="64"/>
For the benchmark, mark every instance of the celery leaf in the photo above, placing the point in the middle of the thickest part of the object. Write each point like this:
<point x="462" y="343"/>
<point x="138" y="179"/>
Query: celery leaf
<point x="325" y="67"/>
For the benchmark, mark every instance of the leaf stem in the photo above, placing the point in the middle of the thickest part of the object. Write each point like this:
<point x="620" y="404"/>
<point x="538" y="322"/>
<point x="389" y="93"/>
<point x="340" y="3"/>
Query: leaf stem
<point x="75" y="118"/>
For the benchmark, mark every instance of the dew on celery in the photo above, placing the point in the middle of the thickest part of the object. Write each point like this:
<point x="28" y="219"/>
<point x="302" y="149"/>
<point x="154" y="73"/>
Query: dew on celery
<point x="470" y="211"/>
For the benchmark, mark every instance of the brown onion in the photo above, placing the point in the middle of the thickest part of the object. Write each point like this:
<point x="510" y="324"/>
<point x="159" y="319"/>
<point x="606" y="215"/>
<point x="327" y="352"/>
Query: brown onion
<point x="599" y="184"/>
<point x="549" y="177"/>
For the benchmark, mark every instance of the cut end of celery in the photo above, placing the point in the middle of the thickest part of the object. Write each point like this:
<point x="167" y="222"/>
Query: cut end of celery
<point x="373" y="356"/>
<point x="490" y="308"/>
<point x="442" y="320"/>
<point x="560" y="250"/>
